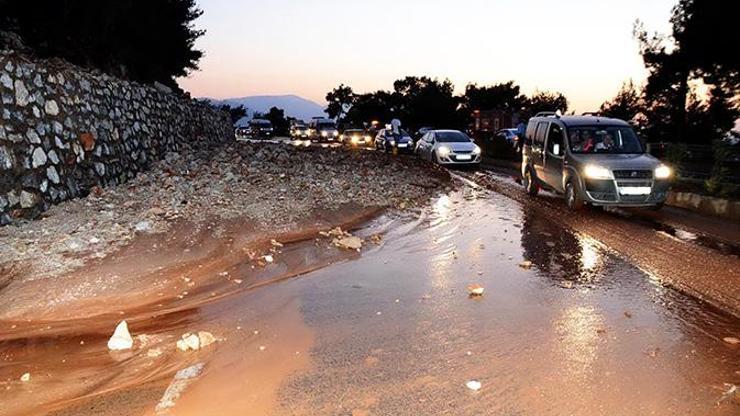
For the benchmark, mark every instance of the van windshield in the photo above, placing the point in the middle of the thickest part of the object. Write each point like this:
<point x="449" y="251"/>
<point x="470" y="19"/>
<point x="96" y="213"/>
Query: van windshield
<point x="600" y="139"/>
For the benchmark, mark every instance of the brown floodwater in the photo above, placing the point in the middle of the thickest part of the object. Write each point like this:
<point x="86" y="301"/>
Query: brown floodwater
<point x="392" y="331"/>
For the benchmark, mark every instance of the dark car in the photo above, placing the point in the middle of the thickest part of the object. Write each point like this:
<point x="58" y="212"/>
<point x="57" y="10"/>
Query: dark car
<point x="592" y="160"/>
<point x="388" y="141"/>
<point x="509" y="135"/>
<point x="260" y="128"/>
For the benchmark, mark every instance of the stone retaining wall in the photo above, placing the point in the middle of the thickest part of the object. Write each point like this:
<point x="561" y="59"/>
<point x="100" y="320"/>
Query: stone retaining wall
<point x="65" y="130"/>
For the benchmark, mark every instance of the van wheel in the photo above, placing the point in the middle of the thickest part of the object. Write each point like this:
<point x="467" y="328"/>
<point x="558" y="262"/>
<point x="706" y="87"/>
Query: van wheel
<point x="530" y="183"/>
<point x="573" y="197"/>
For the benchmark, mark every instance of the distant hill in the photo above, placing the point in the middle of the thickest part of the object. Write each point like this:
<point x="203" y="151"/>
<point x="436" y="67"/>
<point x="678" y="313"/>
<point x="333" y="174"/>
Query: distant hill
<point x="293" y="105"/>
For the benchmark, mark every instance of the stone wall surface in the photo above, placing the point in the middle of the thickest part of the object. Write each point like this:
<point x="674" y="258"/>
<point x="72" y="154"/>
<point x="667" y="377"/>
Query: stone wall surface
<point x="65" y="130"/>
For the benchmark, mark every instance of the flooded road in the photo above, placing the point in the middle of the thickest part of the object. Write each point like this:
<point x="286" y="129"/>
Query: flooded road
<point x="392" y="331"/>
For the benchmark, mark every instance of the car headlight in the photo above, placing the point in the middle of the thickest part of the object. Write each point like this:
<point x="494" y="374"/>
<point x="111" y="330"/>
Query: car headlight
<point x="476" y="151"/>
<point x="663" y="172"/>
<point x="355" y="139"/>
<point x="324" y="134"/>
<point x="443" y="151"/>
<point x="336" y="133"/>
<point x="597" y="172"/>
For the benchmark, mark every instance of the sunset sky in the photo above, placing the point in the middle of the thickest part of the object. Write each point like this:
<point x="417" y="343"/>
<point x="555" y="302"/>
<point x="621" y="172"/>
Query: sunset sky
<point x="583" y="49"/>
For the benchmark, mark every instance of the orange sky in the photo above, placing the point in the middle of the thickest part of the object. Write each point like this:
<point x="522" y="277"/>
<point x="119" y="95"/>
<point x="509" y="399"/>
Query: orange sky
<point x="584" y="49"/>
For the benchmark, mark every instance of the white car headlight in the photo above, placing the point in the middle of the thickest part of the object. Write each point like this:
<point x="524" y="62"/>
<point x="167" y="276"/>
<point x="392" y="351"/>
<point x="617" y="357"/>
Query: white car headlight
<point x="476" y="151"/>
<point x="443" y="151"/>
<point x="324" y="134"/>
<point x="663" y="172"/>
<point x="597" y="172"/>
<point x="392" y="142"/>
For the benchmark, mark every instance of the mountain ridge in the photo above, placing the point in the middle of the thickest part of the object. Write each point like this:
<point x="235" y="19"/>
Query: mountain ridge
<point x="293" y="105"/>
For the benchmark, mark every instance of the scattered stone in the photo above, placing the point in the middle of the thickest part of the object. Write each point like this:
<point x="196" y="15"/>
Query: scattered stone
<point x="121" y="339"/>
<point x="206" y="338"/>
<point x="195" y="342"/>
<point x="475" y="290"/>
<point x="474" y="385"/>
<point x="526" y="264"/>
<point x="188" y="342"/>
<point x="26" y="377"/>
<point x="268" y="258"/>
<point x="143" y="226"/>
<point x="276" y="244"/>
<point x="731" y="340"/>
<point x="154" y="352"/>
<point x="348" y="243"/>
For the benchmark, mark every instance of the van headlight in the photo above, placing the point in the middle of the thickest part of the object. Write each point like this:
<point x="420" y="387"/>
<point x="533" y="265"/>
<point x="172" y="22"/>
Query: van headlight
<point x="597" y="172"/>
<point x="663" y="172"/>
<point x="443" y="151"/>
<point x="476" y="151"/>
<point x="324" y="133"/>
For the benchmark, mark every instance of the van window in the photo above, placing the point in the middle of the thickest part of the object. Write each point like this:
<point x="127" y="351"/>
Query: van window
<point x="541" y="131"/>
<point x="529" y="134"/>
<point x="555" y="136"/>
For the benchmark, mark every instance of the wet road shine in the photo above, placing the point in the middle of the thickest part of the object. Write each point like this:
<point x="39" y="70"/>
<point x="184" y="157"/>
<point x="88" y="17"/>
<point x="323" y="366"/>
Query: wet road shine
<point x="393" y="332"/>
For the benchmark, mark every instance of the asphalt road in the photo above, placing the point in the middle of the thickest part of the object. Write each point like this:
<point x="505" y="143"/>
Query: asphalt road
<point x="590" y="328"/>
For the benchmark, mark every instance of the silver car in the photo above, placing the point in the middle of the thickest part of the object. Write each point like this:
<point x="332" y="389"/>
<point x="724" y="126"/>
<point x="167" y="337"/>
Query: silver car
<point x="592" y="160"/>
<point x="448" y="147"/>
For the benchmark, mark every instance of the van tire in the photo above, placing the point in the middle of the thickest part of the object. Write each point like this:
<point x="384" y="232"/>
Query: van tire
<point x="573" y="197"/>
<point x="530" y="183"/>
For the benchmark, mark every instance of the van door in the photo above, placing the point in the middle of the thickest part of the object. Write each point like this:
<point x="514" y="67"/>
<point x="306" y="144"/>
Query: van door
<point x="538" y="144"/>
<point x="554" y="153"/>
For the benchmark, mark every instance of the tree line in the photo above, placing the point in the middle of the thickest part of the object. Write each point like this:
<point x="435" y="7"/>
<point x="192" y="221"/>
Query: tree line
<point x="422" y="101"/>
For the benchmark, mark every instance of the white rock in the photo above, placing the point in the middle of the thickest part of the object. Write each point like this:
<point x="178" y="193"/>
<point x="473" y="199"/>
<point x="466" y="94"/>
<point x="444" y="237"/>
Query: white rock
<point x="268" y="258"/>
<point x="121" y="339"/>
<point x="205" y="338"/>
<point x="474" y="385"/>
<point x="188" y="342"/>
<point x="26" y="377"/>
<point x="143" y="226"/>
<point x="51" y="108"/>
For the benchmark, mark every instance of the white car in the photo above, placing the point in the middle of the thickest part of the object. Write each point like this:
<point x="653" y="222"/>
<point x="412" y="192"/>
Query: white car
<point x="448" y="147"/>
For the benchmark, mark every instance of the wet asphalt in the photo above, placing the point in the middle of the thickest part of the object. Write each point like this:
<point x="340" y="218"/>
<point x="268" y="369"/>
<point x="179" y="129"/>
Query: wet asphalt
<point x="393" y="330"/>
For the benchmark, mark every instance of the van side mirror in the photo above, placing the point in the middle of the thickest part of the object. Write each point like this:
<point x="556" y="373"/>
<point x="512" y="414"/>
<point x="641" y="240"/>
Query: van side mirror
<point x="556" y="149"/>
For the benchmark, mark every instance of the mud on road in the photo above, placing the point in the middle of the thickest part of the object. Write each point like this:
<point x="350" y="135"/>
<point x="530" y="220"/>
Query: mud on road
<point x="587" y="329"/>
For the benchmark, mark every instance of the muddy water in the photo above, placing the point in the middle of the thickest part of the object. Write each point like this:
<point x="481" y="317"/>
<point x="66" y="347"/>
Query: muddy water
<point x="393" y="331"/>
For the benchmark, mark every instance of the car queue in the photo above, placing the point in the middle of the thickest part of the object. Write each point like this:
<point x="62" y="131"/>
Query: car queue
<point x="588" y="159"/>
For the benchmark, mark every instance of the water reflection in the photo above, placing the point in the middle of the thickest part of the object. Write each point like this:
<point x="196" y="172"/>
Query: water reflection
<point x="560" y="254"/>
<point x="577" y="330"/>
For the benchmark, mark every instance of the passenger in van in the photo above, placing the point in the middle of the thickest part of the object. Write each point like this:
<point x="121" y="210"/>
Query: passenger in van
<point x="589" y="146"/>
<point x="606" y="145"/>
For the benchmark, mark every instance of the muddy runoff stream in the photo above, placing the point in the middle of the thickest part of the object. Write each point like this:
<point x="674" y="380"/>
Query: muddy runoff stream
<point x="392" y="330"/>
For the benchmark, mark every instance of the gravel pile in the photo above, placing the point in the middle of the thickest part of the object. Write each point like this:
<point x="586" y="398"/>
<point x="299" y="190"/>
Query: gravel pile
<point x="272" y="185"/>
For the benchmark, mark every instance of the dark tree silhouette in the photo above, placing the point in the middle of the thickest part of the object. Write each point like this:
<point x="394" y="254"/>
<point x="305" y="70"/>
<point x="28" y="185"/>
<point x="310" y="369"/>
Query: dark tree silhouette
<point x="699" y="49"/>
<point x="625" y="105"/>
<point x="504" y="96"/>
<point x="278" y="120"/>
<point x="140" y="40"/>
<point x="339" y="100"/>
<point x="545" y="101"/>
